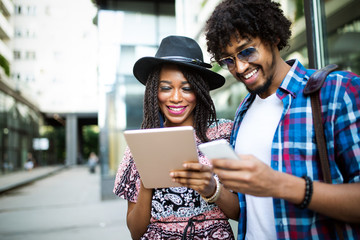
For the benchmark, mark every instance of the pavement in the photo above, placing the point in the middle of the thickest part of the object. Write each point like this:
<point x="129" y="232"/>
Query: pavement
<point x="17" y="179"/>
<point x="59" y="203"/>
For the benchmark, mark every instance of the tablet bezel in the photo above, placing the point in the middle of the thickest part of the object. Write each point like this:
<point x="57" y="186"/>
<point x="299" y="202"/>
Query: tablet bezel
<point x="157" y="151"/>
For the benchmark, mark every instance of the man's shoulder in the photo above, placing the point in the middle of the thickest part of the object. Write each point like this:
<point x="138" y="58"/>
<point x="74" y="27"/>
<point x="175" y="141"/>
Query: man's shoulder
<point x="337" y="73"/>
<point x="344" y="74"/>
<point x="340" y="87"/>
<point x="343" y="78"/>
<point x="338" y="77"/>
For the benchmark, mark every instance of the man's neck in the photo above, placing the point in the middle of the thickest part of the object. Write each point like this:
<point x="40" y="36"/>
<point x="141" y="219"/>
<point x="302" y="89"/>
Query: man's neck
<point x="281" y="70"/>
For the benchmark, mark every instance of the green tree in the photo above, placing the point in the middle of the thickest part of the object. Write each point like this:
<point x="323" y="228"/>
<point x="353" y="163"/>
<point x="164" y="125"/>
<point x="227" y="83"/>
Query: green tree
<point x="5" y="65"/>
<point x="90" y="140"/>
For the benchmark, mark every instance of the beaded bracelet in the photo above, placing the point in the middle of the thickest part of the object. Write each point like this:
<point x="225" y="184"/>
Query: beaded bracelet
<point x="216" y="195"/>
<point x="308" y="193"/>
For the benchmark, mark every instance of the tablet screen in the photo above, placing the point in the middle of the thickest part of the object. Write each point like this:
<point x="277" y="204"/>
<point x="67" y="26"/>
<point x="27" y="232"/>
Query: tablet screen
<point x="157" y="151"/>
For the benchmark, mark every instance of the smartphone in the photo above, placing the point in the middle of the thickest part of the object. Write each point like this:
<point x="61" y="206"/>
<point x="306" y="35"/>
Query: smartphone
<point x="218" y="149"/>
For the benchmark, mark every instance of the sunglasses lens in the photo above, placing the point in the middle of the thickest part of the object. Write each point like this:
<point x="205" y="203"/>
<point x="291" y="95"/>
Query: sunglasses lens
<point x="249" y="54"/>
<point x="227" y="63"/>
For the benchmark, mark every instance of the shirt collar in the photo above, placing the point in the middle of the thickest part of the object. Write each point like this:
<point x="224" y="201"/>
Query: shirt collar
<point x="293" y="81"/>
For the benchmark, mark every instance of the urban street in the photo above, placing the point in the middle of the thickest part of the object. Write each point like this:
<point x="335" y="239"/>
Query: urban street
<point x="66" y="205"/>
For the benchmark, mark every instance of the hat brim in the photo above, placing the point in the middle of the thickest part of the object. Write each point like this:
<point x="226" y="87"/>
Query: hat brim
<point x="144" y="66"/>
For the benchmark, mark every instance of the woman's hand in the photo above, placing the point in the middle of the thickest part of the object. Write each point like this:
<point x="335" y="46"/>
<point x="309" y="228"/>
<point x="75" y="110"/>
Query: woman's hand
<point x="196" y="176"/>
<point x="201" y="178"/>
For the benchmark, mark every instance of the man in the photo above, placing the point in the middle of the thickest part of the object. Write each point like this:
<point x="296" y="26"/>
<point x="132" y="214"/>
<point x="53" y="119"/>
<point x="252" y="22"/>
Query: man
<point x="281" y="190"/>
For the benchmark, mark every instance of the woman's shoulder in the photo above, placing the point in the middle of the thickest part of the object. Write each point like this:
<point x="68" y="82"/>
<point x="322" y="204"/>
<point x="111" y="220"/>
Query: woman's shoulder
<point x="222" y="123"/>
<point x="220" y="129"/>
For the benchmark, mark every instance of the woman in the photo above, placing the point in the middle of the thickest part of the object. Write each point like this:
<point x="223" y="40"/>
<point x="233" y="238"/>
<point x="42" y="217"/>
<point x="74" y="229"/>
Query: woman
<point x="177" y="94"/>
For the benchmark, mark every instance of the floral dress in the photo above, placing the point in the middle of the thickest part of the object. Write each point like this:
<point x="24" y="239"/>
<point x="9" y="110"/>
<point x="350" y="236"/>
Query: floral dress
<point x="178" y="212"/>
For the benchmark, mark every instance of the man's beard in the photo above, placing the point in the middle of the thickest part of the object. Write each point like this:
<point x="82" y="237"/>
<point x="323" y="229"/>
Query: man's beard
<point x="263" y="88"/>
<point x="269" y="80"/>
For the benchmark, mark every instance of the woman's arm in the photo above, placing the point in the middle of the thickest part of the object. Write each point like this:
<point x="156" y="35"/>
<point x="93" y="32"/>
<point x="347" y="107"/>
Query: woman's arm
<point x="228" y="202"/>
<point x="139" y="213"/>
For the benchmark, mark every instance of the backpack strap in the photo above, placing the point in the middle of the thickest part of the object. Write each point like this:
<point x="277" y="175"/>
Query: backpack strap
<point x="312" y="88"/>
<point x="317" y="79"/>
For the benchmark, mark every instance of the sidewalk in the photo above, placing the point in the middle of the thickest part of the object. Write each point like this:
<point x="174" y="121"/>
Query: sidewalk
<point x="11" y="181"/>
<point x="66" y="205"/>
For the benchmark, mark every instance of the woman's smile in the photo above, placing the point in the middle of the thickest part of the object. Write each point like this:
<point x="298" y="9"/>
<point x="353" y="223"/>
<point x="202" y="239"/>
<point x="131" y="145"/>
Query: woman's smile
<point x="177" y="110"/>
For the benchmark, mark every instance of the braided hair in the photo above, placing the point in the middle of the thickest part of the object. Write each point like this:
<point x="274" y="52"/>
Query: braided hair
<point x="246" y="19"/>
<point x="204" y="111"/>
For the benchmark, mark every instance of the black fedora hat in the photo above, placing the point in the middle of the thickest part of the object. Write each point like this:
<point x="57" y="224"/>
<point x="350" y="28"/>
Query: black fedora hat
<point x="181" y="51"/>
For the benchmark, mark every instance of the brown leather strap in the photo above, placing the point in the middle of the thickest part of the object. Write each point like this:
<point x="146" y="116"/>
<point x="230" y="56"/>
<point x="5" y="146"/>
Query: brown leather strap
<point x="312" y="88"/>
<point x="320" y="137"/>
<point x="317" y="79"/>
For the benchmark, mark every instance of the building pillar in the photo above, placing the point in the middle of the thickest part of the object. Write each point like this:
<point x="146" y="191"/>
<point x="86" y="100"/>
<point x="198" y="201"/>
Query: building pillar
<point x="71" y="139"/>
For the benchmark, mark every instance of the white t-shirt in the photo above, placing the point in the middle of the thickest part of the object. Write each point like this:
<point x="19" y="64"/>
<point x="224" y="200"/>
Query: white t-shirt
<point x="255" y="137"/>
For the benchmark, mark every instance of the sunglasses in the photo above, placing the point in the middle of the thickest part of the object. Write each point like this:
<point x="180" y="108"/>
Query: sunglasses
<point x="247" y="55"/>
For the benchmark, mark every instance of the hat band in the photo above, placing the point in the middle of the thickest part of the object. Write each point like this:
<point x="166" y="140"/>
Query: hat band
<point x="187" y="60"/>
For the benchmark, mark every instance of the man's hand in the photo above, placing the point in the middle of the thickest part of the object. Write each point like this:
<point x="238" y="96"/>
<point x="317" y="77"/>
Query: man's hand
<point x="248" y="175"/>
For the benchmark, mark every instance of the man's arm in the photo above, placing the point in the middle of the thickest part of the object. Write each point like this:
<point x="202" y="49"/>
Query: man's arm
<point x="253" y="177"/>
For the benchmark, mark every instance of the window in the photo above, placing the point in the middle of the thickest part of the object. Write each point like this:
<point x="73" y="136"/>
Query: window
<point x="47" y="10"/>
<point x="30" y="55"/>
<point x="16" y="77"/>
<point x="17" y="10"/>
<point x="18" y="33"/>
<point x="31" y="10"/>
<point x="17" y="55"/>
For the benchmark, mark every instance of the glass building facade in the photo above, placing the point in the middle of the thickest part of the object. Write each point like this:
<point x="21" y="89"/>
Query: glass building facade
<point x="126" y="33"/>
<point x="337" y="36"/>
<point x="19" y="125"/>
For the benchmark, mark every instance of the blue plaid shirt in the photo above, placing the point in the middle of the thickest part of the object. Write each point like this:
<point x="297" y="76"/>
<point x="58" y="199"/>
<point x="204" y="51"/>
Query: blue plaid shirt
<point x="294" y="148"/>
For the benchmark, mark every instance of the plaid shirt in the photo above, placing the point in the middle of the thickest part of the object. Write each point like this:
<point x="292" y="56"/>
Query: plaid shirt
<point x="294" y="148"/>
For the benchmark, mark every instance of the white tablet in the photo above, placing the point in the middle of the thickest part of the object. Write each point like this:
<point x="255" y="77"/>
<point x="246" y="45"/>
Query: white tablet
<point x="157" y="151"/>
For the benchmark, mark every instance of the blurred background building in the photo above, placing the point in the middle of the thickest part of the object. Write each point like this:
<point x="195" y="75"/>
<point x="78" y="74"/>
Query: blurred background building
<point x="66" y="72"/>
<point x="128" y="30"/>
<point x="48" y="81"/>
